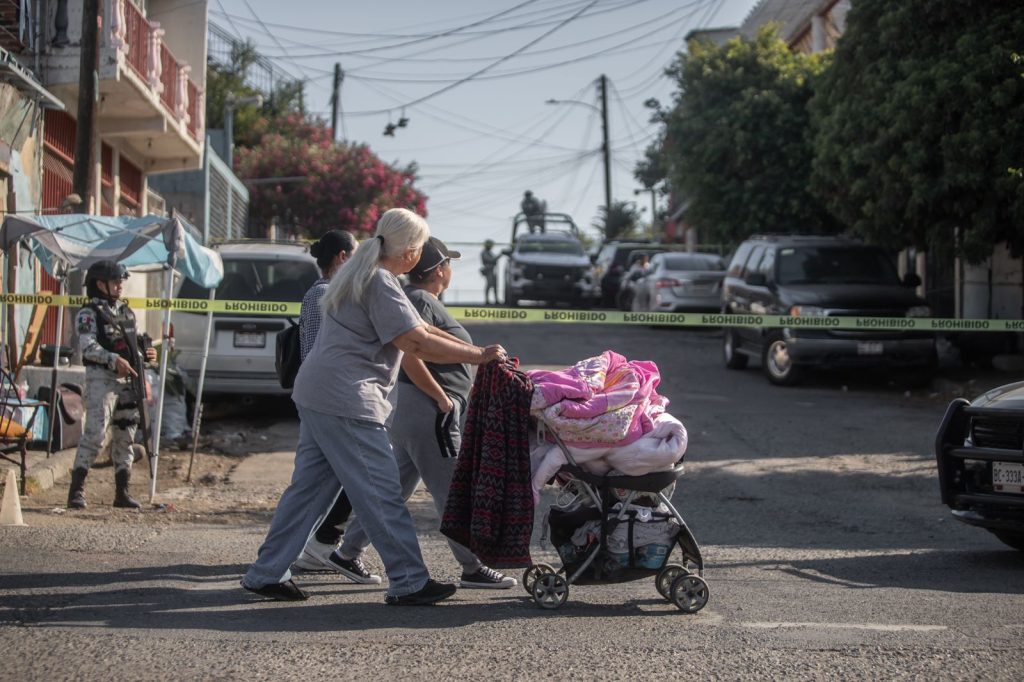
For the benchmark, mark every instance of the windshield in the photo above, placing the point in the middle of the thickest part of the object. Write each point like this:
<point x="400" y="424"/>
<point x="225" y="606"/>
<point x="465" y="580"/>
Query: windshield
<point x="694" y="263"/>
<point x="572" y="248"/>
<point x="259" y="280"/>
<point x="835" y="265"/>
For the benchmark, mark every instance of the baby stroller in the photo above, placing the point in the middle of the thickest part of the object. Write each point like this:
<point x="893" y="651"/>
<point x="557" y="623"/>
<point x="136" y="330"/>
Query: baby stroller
<point x="616" y="528"/>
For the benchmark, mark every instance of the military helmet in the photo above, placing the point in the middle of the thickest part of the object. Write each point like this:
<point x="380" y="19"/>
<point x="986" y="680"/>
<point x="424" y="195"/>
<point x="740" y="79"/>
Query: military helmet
<point x="105" y="271"/>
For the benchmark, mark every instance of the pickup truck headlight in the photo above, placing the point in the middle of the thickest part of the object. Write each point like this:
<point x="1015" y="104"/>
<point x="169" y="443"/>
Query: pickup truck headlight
<point x="806" y="311"/>
<point x="919" y="311"/>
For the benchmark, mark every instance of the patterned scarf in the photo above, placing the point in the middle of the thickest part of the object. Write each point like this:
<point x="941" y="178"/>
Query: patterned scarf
<point x="490" y="501"/>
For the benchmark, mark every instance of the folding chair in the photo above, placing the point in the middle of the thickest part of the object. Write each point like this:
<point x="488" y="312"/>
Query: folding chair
<point x="16" y="418"/>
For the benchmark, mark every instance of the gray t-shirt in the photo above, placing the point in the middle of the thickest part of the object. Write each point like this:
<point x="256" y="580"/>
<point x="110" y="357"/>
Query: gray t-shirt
<point x="353" y="364"/>
<point x="454" y="379"/>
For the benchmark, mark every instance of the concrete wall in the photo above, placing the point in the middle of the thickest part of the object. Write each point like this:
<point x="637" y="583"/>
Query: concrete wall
<point x="21" y="188"/>
<point x="994" y="290"/>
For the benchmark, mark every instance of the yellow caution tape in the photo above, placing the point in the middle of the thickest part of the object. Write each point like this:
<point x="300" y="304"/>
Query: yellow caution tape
<point x="618" y="317"/>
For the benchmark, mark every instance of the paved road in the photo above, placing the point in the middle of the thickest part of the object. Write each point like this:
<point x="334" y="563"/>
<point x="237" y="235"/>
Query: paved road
<point x="828" y="555"/>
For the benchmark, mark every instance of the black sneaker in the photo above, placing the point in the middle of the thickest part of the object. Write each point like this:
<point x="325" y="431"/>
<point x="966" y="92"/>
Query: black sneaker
<point x="286" y="591"/>
<point x="353" y="569"/>
<point x="430" y="593"/>
<point x="487" y="579"/>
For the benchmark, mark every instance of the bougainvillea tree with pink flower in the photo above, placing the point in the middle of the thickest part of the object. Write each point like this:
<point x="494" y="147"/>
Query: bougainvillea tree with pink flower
<point x="323" y="184"/>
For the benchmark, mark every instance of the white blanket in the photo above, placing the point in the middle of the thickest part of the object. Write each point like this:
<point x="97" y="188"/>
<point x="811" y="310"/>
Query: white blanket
<point x="657" y="450"/>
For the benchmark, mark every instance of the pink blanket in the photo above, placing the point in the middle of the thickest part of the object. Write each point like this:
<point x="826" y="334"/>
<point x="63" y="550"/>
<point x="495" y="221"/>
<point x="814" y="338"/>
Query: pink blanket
<point x="599" y="402"/>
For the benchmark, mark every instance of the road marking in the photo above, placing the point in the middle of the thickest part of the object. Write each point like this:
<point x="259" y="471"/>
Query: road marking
<point x="877" y="627"/>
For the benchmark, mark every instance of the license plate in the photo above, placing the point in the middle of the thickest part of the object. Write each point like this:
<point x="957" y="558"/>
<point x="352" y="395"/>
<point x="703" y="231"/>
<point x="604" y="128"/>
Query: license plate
<point x="869" y="348"/>
<point x="250" y="339"/>
<point x="1008" y="477"/>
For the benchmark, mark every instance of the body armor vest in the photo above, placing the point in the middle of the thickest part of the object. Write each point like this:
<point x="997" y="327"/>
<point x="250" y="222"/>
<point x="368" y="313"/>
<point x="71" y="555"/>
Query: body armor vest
<point x="109" y="330"/>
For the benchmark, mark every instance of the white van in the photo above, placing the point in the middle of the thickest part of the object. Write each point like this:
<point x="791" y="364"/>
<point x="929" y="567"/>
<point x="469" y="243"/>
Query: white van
<point x="242" y="345"/>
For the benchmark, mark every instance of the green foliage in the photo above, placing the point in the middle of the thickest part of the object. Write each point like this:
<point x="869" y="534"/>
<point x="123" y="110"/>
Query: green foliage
<point x="617" y="221"/>
<point x="736" y="139"/>
<point x="920" y="122"/>
<point x="250" y="123"/>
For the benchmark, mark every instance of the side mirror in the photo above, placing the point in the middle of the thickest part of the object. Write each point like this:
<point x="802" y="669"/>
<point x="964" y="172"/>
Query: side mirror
<point x="911" y="280"/>
<point x="593" y="259"/>
<point x="506" y="252"/>
<point x="756" y="279"/>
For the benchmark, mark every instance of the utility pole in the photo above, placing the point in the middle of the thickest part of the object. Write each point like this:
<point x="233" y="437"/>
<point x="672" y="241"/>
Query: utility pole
<point x="339" y="76"/>
<point x="83" y="179"/>
<point x="605" y="148"/>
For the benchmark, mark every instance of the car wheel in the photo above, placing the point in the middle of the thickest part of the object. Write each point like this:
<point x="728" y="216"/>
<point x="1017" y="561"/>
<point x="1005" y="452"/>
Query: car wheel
<point x="1011" y="538"/>
<point x="733" y="358"/>
<point x="777" y="363"/>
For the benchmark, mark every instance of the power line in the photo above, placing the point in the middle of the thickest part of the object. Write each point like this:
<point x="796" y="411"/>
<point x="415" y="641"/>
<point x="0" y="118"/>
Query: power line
<point x="479" y="72"/>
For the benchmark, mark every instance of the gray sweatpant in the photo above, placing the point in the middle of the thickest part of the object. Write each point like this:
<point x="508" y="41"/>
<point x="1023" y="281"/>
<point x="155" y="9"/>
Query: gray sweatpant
<point x="420" y="456"/>
<point x="332" y="452"/>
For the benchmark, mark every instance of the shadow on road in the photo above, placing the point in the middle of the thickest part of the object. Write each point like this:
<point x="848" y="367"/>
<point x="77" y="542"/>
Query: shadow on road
<point x="119" y="599"/>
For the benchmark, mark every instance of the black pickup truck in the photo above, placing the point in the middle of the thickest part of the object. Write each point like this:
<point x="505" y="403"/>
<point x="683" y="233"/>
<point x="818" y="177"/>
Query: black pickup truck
<point x="979" y="450"/>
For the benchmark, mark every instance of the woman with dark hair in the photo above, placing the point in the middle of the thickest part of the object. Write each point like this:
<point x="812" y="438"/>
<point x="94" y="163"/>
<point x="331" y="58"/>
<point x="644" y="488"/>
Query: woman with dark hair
<point x="331" y="251"/>
<point x="341" y="393"/>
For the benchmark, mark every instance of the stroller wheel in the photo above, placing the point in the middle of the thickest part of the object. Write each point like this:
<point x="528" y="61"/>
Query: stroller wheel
<point x="531" y="574"/>
<point x="666" y="577"/>
<point x="689" y="593"/>
<point x="550" y="590"/>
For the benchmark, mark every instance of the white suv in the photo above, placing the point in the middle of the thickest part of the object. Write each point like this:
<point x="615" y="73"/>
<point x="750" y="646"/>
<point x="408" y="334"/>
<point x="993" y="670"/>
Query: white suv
<point x="242" y="345"/>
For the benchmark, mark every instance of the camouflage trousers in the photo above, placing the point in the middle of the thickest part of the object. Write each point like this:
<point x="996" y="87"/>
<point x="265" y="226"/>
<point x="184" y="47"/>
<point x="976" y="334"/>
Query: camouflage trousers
<point x="110" y="403"/>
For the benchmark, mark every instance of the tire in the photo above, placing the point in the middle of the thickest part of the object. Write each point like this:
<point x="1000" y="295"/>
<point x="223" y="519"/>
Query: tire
<point x="733" y="358"/>
<point x="777" y="364"/>
<point x="1011" y="538"/>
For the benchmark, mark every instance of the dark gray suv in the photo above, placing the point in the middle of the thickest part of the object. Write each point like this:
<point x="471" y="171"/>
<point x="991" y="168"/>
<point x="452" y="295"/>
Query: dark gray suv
<point x="822" y="276"/>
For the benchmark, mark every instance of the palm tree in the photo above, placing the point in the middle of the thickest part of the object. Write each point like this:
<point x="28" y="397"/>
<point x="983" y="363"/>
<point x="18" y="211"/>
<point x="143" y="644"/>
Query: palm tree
<point x="618" y="221"/>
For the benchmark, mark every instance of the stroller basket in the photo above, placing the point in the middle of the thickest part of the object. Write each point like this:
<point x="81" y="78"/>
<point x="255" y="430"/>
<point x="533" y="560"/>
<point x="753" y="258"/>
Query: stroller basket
<point x="618" y="528"/>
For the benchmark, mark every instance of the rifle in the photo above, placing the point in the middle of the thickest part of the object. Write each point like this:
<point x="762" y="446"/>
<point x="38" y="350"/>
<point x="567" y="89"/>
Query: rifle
<point x="137" y="346"/>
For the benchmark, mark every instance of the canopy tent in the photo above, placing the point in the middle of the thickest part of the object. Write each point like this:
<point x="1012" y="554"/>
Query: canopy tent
<point x="74" y="242"/>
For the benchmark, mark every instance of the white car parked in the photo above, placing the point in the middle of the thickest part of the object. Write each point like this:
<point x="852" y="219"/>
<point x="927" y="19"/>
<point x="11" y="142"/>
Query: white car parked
<point x="242" y="345"/>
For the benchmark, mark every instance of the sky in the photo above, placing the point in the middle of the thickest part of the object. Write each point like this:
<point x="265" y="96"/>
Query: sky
<point x="472" y="77"/>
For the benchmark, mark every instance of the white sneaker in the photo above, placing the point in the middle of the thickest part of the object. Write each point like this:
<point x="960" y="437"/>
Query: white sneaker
<point x="314" y="556"/>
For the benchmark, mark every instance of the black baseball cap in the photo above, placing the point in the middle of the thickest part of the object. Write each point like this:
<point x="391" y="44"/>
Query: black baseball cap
<point x="434" y="253"/>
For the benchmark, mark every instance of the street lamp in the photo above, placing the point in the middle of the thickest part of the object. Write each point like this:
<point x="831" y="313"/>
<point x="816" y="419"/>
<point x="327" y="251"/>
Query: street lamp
<point x="230" y="104"/>
<point x="605" y="148"/>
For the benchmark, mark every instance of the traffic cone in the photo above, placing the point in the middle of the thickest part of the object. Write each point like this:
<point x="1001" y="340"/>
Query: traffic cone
<point x="10" y="508"/>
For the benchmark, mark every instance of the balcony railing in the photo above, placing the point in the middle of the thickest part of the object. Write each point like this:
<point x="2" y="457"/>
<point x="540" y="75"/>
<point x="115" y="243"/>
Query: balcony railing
<point x="136" y="37"/>
<point x="169" y="75"/>
<point x="153" y="62"/>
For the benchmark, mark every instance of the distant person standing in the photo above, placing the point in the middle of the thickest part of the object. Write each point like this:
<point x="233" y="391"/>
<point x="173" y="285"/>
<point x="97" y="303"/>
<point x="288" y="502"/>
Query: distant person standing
<point x="489" y="262"/>
<point x="533" y="208"/>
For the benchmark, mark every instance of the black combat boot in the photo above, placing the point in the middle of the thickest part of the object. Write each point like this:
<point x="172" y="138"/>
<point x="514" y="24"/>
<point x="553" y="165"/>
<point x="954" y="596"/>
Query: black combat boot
<point x="76" y="498"/>
<point x="121" y="496"/>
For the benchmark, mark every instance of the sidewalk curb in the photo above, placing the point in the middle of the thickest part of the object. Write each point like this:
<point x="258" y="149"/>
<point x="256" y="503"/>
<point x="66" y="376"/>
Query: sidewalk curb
<point x="45" y="474"/>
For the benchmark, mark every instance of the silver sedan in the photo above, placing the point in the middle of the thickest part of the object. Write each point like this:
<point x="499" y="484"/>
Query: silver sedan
<point x="676" y="282"/>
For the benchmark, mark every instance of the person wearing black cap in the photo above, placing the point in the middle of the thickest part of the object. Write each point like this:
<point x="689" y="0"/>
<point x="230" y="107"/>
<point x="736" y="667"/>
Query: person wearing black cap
<point x="331" y="251"/>
<point x="430" y="410"/>
<point x="107" y="338"/>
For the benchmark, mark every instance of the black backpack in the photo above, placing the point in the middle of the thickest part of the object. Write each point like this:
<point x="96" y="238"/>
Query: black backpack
<point x="288" y="355"/>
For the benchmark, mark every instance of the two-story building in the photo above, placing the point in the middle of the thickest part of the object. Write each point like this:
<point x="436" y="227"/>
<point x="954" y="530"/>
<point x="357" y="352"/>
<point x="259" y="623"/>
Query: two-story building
<point x="149" y="113"/>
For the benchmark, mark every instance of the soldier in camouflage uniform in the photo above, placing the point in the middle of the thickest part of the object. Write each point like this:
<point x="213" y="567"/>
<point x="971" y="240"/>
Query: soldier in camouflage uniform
<point x="107" y="339"/>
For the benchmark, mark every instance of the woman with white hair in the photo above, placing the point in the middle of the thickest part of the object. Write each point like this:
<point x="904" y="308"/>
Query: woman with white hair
<point x="341" y="392"/>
